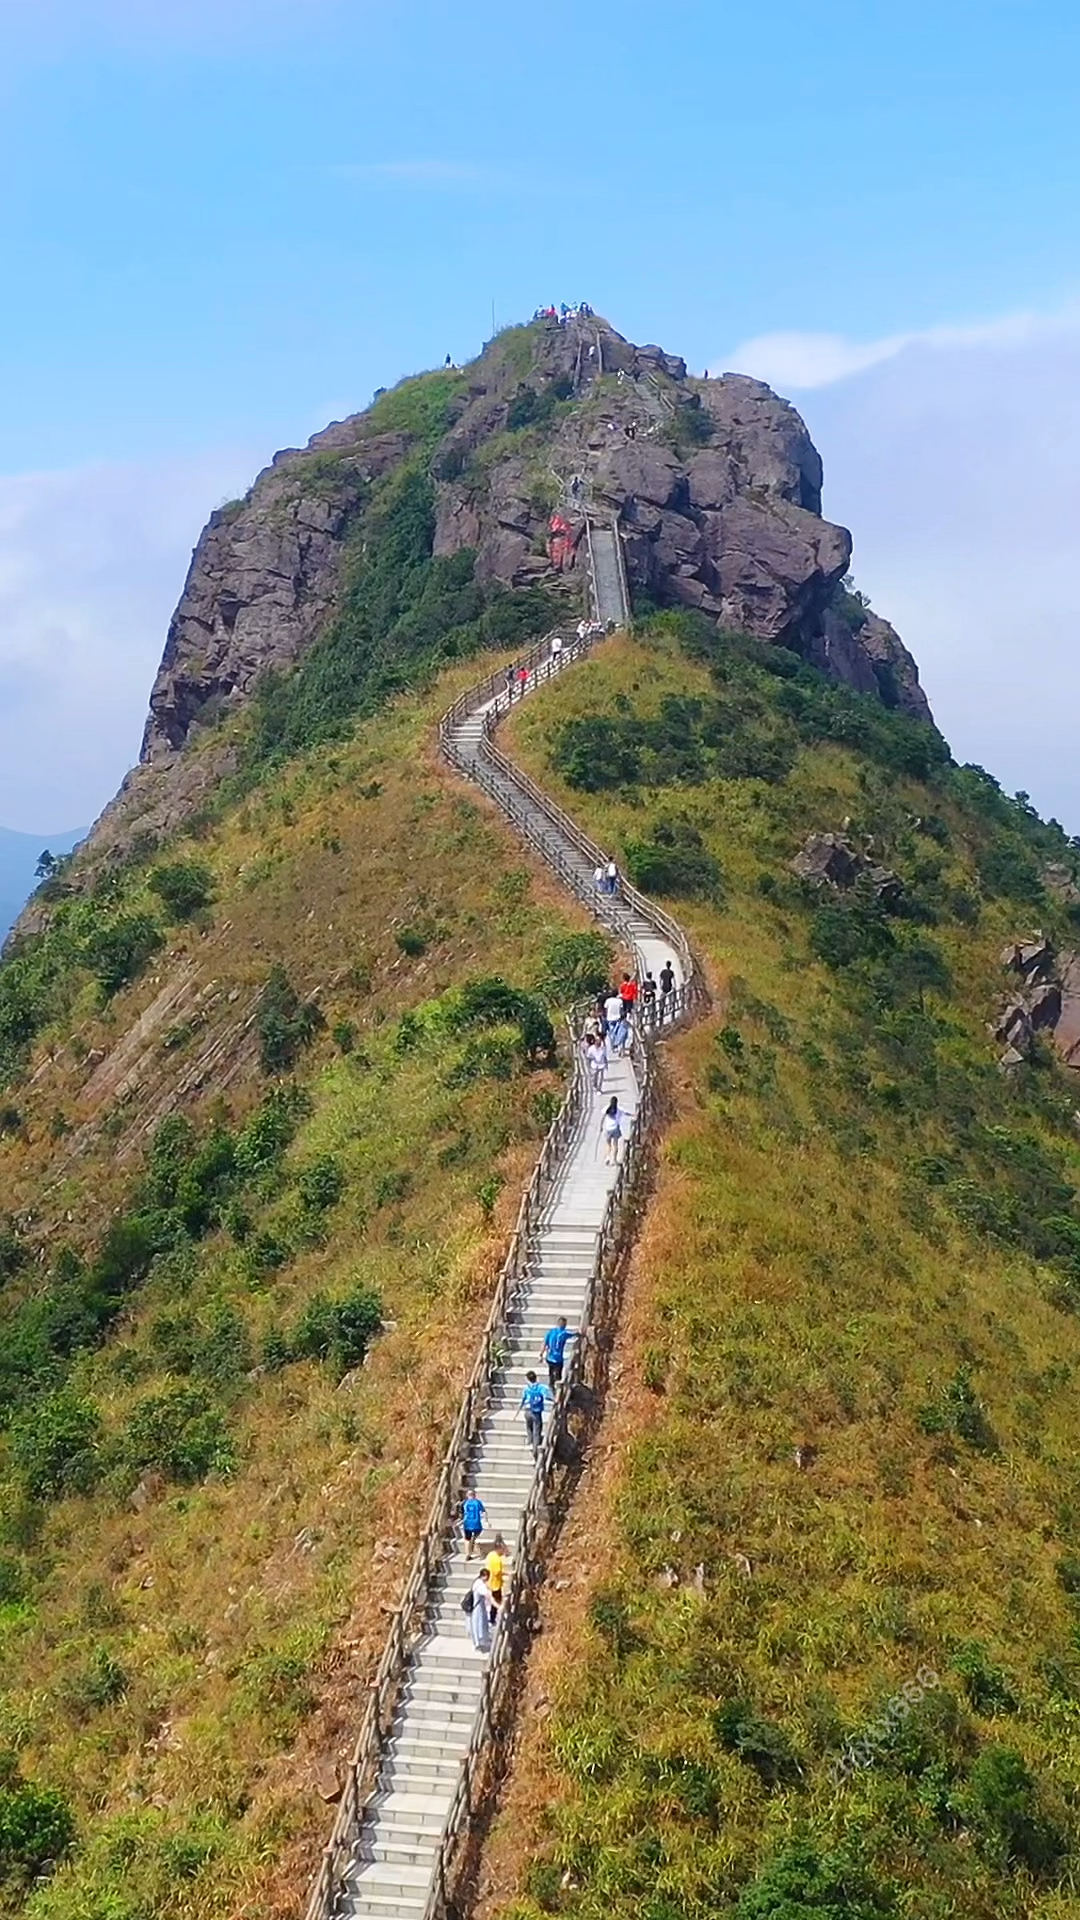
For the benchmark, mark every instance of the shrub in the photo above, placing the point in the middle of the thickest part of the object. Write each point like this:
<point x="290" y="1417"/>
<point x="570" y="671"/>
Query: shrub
<point x="411" y="941"/>
<point x="1002" y="1800"/>
<point x="285" y="1024"/>
<point x="956" y="1408"/>
<point x="117" y="952"/>
<point x="338" y="1332"/>
<point x="673" y="858"/>
<point x="178" y="1434"/>
<point x="844" y="933"/>
<point x="98" y="1685"/>
<point x="576" y="966"/>
<point x="13" y="1254"/>
<point x="37" y="1826"/>
<point x="321" y="1184"/>
<point x="184" y="887"/>
<point x="984" y="1683"/>
<point x="801" y="1883"/>
<point x="760" y="1744"/>
<point x="55" y="1446"/>
<point x="343" y="1035"/>
<point x="262" y="1142"/>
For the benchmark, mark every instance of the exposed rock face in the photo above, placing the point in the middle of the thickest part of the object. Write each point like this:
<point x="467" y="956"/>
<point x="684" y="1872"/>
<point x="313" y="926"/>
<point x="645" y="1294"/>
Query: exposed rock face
<point x="715" y="485"/>
<point x="1048" y="1001"/>
<point x="828" y="859"/>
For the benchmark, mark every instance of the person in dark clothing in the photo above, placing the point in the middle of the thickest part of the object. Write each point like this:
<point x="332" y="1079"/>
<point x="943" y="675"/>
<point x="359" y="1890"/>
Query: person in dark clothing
<point x="667" y="990"/>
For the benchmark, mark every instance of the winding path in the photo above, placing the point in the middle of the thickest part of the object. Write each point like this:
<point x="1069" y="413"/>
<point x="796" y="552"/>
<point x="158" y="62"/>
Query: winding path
<point x="414" y="1776"/>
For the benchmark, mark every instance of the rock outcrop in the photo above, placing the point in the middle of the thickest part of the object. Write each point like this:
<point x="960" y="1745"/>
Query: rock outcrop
<point x="828" y="859"/>
<point x="715" y="485"/>
<point x="1047" y="1000"/>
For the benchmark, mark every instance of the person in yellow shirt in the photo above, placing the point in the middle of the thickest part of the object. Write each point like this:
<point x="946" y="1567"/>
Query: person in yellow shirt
<point x="496" y="1568"/>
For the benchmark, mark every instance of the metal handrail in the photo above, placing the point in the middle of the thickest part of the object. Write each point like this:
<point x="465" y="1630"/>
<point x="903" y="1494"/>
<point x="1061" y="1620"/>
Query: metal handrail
<point x="491" y="769"/>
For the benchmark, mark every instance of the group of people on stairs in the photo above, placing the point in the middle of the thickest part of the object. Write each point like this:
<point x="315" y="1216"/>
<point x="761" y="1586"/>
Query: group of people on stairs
<point x="484" y="1598"/>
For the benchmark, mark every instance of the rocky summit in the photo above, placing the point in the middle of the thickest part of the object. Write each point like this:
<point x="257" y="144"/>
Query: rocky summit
<point x="715" y="485"/>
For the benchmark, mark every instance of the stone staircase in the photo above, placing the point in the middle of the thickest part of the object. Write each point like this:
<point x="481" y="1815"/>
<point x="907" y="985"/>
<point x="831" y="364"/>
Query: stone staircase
<point x="392" y="1868"/>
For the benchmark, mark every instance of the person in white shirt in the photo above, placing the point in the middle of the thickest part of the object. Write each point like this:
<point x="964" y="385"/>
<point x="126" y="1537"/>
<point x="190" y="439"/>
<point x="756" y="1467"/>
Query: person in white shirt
<point x="613" y="1010"/>
<point x="556" y="652"/>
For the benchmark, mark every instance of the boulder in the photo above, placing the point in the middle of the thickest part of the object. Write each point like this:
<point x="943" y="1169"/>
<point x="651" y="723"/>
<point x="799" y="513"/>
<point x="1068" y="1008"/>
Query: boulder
<point x="827" y="859"/>
<point x="1067" y="1030"/>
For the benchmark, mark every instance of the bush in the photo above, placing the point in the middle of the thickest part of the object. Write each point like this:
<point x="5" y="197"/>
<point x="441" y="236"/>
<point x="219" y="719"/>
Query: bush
<point x="800" y="1883"/>
<point x="411" y="942"/>
<point x="102" y="1682"/>
<point x="956" y="1408"/>
<point x="37" y="1826"/>
<point x="117" y="952"/>
<point x="176" y="1433"/>
<point x="843" y="934"/>
<point x="338" y="1332"/>
<point x="286" y="1024"/>
<point x="13" y="1254"/>
<point x="55" y="1446"/>
<point x="673" y="858"/>
<point x="322" y="1184"/>
<point x="262" y="1142"/>
<point x="576" y="966"/>
<point x="760" y="1744"/>
<point x="984" y="1683"/>
<point x="184" y="887"/>
<point x="1003" y="1803"/>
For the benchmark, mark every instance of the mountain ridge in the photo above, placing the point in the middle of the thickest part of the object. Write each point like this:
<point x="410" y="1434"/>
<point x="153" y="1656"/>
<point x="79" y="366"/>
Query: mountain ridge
<point x="715" y="485"/>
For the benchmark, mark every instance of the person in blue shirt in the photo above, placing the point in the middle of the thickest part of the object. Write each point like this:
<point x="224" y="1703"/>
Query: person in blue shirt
<point x="472" y="1523"/>
<point x="556" y="1341"/>
<point x="534" y="1398"/>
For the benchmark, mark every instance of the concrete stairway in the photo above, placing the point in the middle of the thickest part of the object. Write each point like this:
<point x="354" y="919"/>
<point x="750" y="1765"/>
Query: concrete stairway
<point x="392" y="1867"/>
<point x="609" y="588"/>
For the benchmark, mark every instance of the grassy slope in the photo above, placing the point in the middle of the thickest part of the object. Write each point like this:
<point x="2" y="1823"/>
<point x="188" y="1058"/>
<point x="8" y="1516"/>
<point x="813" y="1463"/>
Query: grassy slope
<point x="244" y="1614"/>
<point x="800" y="1284"/>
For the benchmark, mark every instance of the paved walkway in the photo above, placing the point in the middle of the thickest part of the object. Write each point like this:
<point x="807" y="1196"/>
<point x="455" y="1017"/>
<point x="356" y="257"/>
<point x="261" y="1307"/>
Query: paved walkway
<point x="392" y="1868"/>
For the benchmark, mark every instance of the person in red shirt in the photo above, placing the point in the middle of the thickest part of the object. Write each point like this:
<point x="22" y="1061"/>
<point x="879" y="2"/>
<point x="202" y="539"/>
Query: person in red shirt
<point x="628" y="995"/>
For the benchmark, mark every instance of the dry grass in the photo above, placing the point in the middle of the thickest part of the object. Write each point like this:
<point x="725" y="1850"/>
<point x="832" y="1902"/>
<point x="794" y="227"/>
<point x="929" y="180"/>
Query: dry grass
<point x="791" y="1292"/>
<point x="247" y="1613"/>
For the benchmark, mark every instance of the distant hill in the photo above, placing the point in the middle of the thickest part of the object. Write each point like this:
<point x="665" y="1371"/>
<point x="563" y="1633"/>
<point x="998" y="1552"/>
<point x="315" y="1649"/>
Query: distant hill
<point x="18" y="859"/>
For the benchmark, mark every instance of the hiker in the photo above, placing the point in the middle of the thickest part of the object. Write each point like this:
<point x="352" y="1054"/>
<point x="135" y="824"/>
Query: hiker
<point x="479" y="1611"/>
<point x="648" y="1000"/>
<point x="613" y="1122"/>
<point x="628" y="993"/>
<point x="523" y="680"/>
<point x="575" y="486"/>
<point x="495" y="1566"/>
<point x="448" y="362"/>
<point x="534" y="1398"/>
<point x="596" y="1062"/>
<point x="667" y="990"/>
<point x="613" y="1010"/>
<point x="511" y="676"/>
<point x="556" y="652"/>
<point x="556" y="1341"/>
<point x="582" y="630"/>
<point x="612" y="877"/>
<point x="619" y="1037"/>
<point x="598" y="879"/>
<point x="473" y="1516"/>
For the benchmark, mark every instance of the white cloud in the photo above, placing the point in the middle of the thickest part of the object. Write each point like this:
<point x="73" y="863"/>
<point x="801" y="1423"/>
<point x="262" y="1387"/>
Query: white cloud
<point x="795" y="361"/>
<point x="954" y="461"/>
<point x="91" y="564"/>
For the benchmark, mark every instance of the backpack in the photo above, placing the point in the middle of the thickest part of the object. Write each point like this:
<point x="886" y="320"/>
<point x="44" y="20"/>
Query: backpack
<point x="467" y="1600"/>
<point x="534" y="1398"/>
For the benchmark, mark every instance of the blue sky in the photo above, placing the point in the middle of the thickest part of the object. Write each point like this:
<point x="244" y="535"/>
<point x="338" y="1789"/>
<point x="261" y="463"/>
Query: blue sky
<point x="222" y="229"/>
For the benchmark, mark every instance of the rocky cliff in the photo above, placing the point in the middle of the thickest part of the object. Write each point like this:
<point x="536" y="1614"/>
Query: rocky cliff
<point x="715" y="485"/>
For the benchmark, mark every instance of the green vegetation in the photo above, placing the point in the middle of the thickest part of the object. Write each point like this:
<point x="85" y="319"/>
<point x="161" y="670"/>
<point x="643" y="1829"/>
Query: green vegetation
<point x="402" y="614"/>
<point x="184" y="887"/>
<point x="847" y="1458"/>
